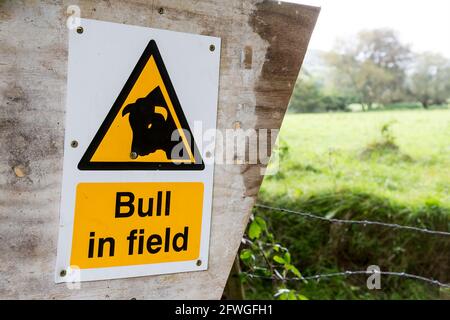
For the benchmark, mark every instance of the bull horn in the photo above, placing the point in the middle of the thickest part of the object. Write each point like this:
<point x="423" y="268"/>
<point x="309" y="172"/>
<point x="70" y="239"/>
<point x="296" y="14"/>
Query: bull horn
<point x="162" y="111"/>
<point x="127" y="109"/>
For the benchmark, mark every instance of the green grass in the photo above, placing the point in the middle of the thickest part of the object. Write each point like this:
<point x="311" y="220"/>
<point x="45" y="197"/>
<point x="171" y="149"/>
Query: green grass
<point x="326" y="153"/>
<point x="341" y="165"/>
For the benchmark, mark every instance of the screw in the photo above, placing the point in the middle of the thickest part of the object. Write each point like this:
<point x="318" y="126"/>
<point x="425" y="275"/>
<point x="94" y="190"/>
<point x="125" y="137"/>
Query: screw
<point x="63" y="273"/>
<point x="80" y="30"/>
<point x="212" y="47"/>
<point x="133" y="155"/>
<point x="208" y="154"/>
<point x="199" y="263"/>
<point x="74" y="144"/>
<point x="161" y="10"/>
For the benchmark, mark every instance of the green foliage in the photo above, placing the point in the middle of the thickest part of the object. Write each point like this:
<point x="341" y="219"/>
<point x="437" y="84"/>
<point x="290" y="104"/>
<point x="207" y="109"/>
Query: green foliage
<point x="385" y="146"/>
<point x="309" y="96"/>
<point x="264" y="256"/>
<point x="279" y="156"/>
<point x="412" y="106"/>
<point x="372" y="66"/>
<point x="325" y="154"/>
<point x="257" y="226"/>
<point x="324" y="248"/>
<point x="372" y="69"/>
<point x="323" y="173"/>
<point x="430" y="80"/>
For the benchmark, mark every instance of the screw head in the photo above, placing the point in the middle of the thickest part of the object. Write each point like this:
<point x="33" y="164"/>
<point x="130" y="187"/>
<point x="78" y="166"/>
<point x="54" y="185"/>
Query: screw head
<point x="74" y="144"/>
<point x="212" y="47"/>
<point x="62" y="273"/>
<point x="199" y="263"/>
<point x="208" y="154"/>
<point x="80" y="30"/>
<point x="161" y="10"/>
<point x="133" y="155"/>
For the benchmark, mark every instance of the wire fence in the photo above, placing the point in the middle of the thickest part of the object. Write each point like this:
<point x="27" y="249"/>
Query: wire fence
<point x="348" y="272"/>
<point x="357" y="222"/>
<point x="352" y="273"/>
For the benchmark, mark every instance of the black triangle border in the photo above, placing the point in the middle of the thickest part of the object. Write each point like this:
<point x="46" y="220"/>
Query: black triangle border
<point x="86" y="164"/>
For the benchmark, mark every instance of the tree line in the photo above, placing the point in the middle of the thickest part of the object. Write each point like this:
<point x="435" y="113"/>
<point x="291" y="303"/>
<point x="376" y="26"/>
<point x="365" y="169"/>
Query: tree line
<point x="372" y="69"/>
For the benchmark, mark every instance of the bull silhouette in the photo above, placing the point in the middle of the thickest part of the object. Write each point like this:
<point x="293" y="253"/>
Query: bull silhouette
<point x="151" y="125"/>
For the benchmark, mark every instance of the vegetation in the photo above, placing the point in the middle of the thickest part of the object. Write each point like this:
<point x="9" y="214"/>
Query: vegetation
<point x="391" y="166"/>
<point x="430" y="79"/>
<point x="373" y="69"/>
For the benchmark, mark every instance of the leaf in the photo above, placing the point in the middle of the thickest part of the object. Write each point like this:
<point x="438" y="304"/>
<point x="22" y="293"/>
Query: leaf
<point x="254" y="231"/>
<point x="294" y="270"/>
<point x="279" y="259"/>
<point x="284" y="296"/>
<point x="260" y="221"/>
<point x="246" y="255"/>
<point x="287" y="257"/>
<point x="292" y="295"/>
<point x="301" y="297"/>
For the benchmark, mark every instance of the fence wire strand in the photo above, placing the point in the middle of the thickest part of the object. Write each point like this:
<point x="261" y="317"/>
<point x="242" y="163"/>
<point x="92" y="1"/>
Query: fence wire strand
<point x="359" y="272"/>
<point x="352" y="273"/>
<point x="357" y="222"/>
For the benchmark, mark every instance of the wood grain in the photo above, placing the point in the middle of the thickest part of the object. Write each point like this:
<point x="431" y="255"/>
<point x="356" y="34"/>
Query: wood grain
<point x="263" y="45"/>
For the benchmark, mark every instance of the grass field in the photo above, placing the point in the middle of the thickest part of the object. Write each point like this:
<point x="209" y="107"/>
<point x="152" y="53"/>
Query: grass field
<point x="331" y="152"/>
<point x="391" y="166"/>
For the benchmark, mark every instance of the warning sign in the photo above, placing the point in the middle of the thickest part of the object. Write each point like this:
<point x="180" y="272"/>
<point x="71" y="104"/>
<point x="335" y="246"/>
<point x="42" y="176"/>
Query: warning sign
<point x="137" y="194"/>
<point x="136" y="223"/>
<point x="146" y="127"/>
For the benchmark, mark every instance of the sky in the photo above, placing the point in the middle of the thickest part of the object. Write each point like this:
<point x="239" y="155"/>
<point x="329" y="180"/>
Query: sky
<point x="424" y="24"/>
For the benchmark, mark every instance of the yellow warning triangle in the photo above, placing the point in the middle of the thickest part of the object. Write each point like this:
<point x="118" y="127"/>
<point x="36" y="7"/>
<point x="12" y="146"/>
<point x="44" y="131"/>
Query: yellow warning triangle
<point x="146" y="128"/>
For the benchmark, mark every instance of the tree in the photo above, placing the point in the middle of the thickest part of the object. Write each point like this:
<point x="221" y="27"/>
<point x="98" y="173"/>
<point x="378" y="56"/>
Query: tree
<point x="430" y="79"/>
<point x="307" y="96"/>
<point x="371" y="66"/>
<point x="310" y="96"/>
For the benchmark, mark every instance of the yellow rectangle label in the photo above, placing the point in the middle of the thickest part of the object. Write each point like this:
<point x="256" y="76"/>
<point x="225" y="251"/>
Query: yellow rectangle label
<point x="122" y="224"/>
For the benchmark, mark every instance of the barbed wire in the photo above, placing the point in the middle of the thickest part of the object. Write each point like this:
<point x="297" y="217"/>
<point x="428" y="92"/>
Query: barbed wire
<point x="358" y="222"/>
<point x="344" y="273"/>
<point x="351" y="273"/>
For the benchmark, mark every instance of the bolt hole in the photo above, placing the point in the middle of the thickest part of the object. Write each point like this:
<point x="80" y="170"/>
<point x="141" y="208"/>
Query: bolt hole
<point x="161" y="10"/>
<point x="133" y="155"/>
<point x="212" y="47"/>
<point x="63" y="273"/>
<point x="208" y="154"/>
<point x="199" y="263"/>
<point x="74" y="144"/>
<point x="80" y="30"/>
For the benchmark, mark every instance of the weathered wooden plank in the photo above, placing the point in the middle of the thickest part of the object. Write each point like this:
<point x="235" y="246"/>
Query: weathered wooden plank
<point x="263" y="45"/>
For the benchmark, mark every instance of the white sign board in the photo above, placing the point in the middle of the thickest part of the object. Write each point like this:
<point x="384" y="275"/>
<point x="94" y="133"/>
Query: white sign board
<point x="137" y="182"/>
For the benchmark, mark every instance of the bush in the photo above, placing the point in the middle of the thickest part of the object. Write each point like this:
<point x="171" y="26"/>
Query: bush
<point x="309" y="96"/>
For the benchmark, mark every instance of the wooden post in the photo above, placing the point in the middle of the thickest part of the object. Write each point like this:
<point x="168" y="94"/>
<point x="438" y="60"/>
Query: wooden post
<point x="263" y="45"/>
<point x="233" y="288"/>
